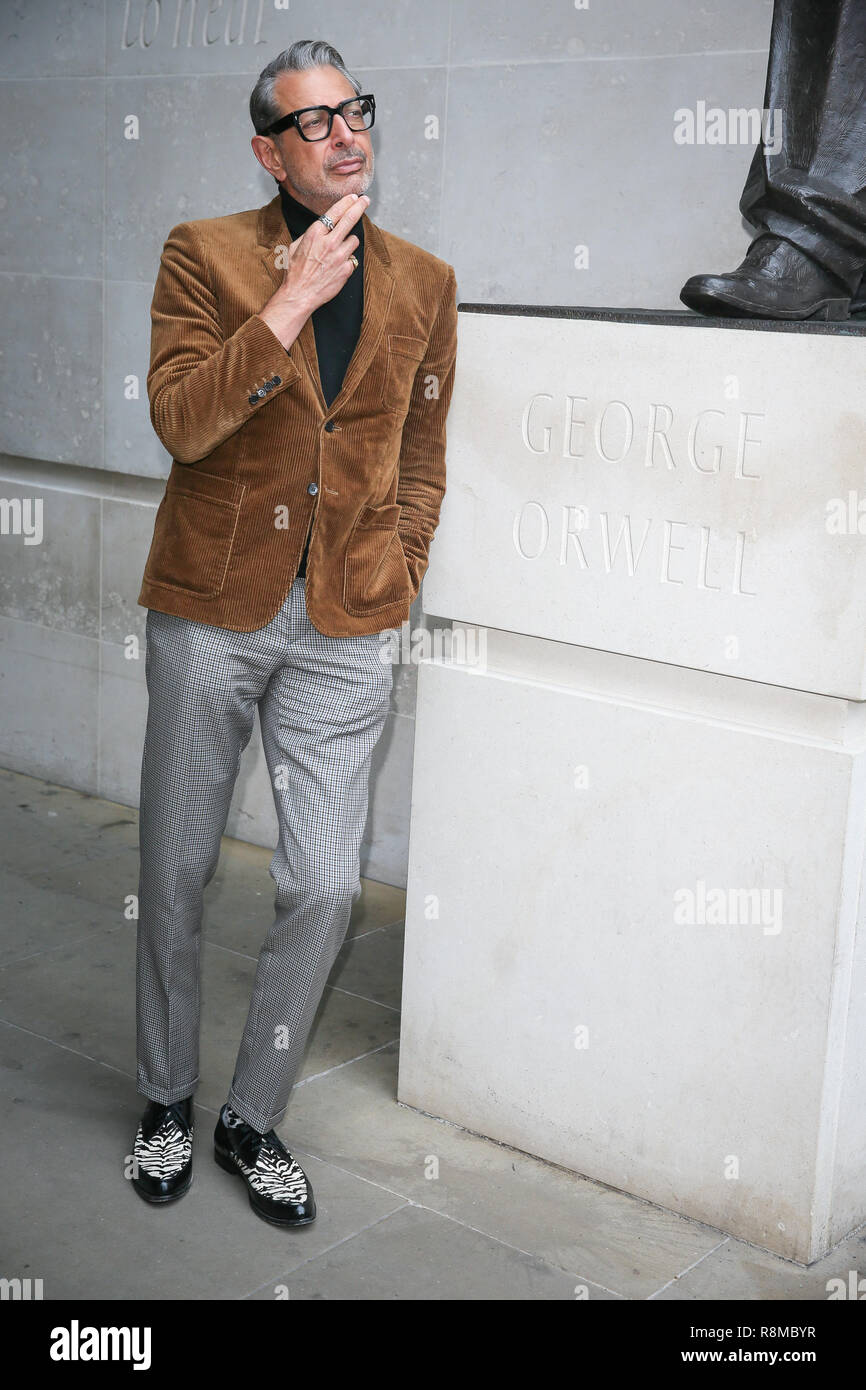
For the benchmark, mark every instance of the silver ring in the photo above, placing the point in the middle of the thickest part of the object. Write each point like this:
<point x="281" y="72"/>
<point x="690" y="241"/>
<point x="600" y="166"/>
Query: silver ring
<point x="327" y="221"/>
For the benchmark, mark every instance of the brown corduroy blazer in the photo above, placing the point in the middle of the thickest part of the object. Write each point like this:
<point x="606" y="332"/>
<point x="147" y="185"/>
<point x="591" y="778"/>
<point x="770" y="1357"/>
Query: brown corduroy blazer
<point x="256" y="453"/>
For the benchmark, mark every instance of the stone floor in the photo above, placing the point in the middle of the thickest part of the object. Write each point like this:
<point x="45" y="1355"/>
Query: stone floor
<point x="494" y="1224"/>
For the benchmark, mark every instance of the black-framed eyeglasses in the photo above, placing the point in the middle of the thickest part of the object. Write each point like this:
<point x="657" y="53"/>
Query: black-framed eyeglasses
<point x="314" y="122"/>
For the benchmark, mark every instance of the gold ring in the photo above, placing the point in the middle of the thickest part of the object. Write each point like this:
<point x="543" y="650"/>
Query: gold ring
<point x="354" y="260"/>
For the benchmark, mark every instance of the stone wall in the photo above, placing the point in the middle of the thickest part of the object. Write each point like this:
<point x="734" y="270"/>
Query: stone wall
<point x="531" y="146"/>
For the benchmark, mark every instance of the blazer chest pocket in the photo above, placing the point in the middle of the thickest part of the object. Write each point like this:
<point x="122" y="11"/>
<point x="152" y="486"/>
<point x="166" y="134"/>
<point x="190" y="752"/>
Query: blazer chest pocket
<point x="375" y="573"/>
<point x="405" y="355"/>
<point x="194" y="532"/>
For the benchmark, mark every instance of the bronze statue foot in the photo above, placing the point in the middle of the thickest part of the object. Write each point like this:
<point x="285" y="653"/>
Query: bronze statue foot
<point x="775" y="281"/>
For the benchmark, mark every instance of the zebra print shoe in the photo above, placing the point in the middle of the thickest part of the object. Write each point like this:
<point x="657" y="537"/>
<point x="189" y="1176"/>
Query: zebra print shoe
<point x="163" y="1151"/>
<point x="279" y="1190"/>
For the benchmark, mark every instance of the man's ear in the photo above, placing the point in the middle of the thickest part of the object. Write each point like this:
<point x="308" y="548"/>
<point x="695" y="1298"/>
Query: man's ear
<point x="267" y="145"/>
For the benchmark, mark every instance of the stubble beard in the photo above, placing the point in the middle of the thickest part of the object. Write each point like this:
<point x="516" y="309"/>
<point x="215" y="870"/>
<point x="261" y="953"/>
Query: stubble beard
<point x="325" y="191"/>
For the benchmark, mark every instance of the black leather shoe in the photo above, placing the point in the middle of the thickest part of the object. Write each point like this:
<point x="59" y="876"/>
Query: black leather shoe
<point x="775" y="281"/>
<point x="163" y="1151"/>
<point x="279" y="1190"/>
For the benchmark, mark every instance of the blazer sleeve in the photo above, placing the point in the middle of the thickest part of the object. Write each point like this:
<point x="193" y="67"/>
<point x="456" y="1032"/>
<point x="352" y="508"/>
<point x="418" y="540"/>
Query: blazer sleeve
<point x="202" y="385"/>
<point x="421" y="484"/>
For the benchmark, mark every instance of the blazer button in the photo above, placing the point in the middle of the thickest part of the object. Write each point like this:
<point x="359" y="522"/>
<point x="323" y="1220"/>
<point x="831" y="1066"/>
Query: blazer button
<point x="275" y="380"/>
<point x="312" y="488"/>
<point x="252" y="399"/>
<point x="329" y="426"/>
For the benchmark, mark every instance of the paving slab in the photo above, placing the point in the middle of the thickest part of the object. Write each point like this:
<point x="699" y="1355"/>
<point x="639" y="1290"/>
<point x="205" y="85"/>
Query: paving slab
<point x="627" y="1246"/>
<point x="82" y="996"/>
<point x="370" y="964"/>
<point x="37" y="919"/>
<point x="69" y="1217"/>
<point x="417" y="1254"/>
<point x="740" y="1271"/>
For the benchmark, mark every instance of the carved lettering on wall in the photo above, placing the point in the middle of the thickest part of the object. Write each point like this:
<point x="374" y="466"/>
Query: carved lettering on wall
<point x="671" y="551"/>
<point x="711" y="442"/>
<point x="615" y="432"/>
<point x="192" y="23"/>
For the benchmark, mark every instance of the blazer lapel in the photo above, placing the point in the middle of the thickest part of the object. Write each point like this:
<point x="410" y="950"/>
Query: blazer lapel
<point x="272" y="234"/>
<point x="378" y="289"/>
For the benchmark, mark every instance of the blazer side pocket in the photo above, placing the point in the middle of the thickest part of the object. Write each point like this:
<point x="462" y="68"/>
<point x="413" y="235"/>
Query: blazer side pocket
<point x="194" y="532"/>
<point x="405" y="355"/>
<point x="375" y="573"/>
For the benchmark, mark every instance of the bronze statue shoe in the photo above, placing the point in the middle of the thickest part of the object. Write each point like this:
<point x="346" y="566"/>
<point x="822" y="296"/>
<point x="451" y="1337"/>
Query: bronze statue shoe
<point x="775" y="281"/>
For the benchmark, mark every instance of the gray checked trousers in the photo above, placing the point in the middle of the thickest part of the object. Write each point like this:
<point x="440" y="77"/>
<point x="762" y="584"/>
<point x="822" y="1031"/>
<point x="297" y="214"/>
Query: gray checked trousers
<point x="323" y="702"/>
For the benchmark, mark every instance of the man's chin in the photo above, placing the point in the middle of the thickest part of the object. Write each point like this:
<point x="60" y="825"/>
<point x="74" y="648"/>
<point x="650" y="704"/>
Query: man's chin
<point x="350" y="183"/>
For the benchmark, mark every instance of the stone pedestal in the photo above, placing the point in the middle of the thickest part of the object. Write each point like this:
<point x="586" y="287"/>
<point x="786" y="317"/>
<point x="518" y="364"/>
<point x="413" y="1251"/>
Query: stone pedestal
<point x="635" y="939"/>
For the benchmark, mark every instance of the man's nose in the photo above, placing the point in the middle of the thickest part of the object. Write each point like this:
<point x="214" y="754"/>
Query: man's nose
<point x="341" y="132"/>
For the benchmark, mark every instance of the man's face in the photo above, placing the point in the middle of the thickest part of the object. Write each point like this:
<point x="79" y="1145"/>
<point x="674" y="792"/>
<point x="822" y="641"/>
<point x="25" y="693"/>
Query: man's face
<point x="319" y="172"/>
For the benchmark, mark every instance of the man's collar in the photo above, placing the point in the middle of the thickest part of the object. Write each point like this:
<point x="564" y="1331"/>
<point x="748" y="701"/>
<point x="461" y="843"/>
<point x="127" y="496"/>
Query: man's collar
<point x="297" y="217"/>
<point x="271" y="230"/>
<point x="271" y="235"/>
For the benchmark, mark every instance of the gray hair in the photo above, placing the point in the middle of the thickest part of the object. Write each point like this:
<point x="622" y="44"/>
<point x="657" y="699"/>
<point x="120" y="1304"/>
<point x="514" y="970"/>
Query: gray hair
<point x="305" y="54"/>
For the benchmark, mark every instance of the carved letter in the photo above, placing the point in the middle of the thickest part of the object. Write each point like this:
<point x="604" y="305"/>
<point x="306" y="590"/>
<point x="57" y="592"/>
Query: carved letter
<point x="545" y="531"/>
<point x="738" y="568"/>
<point x="230" y="17"/>
<point x="703" y="582"/>
<point x="629" y="432"/>
<point x="181" y="6"/>
<point x="654" y="432"/>
<point x="124" y="37"/>
<point x="145" y="43"/>
<point x="573" y="520"/>
<point x="667" y="547"/>
<point x="524" y="428"/>
<point x="743" y="442"/>
<point x="717" y="449"/>
<point x="214" y="7"/>
<point x="570" y="422"/>
<point x="624" y="535"/>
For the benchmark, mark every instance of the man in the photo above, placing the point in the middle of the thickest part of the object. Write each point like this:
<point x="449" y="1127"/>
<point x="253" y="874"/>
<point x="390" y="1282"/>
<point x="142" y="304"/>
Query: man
<point x="301" y="370"/>
<point x="807" y="199"/>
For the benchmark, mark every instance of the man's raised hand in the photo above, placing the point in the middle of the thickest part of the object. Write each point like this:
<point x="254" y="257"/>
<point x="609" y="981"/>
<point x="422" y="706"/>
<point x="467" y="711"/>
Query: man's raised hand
<point x="318" y="267"/>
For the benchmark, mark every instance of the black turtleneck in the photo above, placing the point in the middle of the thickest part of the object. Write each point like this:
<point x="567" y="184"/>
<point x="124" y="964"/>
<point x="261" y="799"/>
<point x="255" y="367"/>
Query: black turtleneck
<point x="337" y="323"/>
